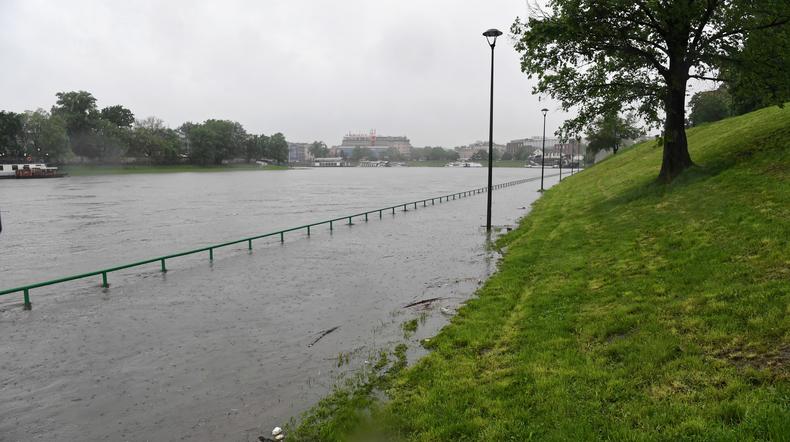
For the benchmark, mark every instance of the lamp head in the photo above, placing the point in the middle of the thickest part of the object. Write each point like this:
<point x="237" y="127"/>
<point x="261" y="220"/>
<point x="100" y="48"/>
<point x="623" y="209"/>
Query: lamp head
<point x="545" y="111"/>
<point x="492" y="33"/>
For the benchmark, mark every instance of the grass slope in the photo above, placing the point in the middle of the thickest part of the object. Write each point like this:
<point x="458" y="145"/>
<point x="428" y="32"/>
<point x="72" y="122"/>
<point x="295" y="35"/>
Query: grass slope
<point x="622" y="310"/>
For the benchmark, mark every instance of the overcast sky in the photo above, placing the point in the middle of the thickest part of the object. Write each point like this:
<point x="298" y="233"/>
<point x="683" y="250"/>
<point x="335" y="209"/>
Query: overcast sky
<point x="311" y="69"/>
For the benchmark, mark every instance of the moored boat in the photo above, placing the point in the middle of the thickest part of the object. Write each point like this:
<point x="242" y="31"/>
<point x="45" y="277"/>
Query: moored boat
<point x="29" y="170"/>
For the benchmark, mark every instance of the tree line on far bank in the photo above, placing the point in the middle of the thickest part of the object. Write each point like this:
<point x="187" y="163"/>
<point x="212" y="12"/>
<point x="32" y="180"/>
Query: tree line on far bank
<point x="76" y="129"/>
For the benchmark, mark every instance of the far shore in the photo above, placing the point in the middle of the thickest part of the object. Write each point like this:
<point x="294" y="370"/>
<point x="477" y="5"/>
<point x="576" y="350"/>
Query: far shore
<point x="88" y="170"/>
<point x="85" y="170"/>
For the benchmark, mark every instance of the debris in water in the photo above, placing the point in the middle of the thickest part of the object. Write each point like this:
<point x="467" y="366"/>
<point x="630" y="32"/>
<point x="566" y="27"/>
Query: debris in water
<point x="424" y="301"/>
<point x="446" y="311"/>
<point x="320" y="336"/>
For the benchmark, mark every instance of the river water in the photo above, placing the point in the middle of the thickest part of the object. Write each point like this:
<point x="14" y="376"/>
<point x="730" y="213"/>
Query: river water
<point x="223" y="350"/>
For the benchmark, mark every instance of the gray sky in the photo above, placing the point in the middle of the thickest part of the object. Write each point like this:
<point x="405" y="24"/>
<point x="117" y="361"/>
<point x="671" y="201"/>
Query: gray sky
<point x="311" y="69"/>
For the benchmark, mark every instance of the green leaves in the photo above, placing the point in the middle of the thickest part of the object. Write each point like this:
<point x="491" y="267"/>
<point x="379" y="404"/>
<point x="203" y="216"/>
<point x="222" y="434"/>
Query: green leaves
<point x="595" y="56"/>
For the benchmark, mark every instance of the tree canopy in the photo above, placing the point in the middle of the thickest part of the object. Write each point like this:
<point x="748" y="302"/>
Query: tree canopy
<point x="75" y="126"/>
<point x="638" y="55"/>
<point x="709" y="106"/>
<point x="608" y="132"/>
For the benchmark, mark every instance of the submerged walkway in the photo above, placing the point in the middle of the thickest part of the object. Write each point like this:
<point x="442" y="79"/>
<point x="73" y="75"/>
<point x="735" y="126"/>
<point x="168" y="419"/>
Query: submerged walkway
<point x="347" y="219"/>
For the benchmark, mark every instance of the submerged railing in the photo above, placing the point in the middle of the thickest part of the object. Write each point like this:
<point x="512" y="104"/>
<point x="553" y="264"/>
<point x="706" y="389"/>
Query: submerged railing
<point x="162" y="260"/>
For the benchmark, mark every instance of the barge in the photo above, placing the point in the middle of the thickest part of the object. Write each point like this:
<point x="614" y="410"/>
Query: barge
<point x="29" y="170"/>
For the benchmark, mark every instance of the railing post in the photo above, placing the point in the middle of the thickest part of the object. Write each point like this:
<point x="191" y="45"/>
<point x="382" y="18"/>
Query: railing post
<point x="27" y="305"/>
<point x="211" y="254"/>
<point x="349" y="220"/>
<point x="424" y="204"/>
<point x="104" y="280"/>
<point x="366" y="216"/>
<point x="393" y="211"/>
<point x="249" y="244"/>
<point x="379" y="214"/>
<point x="415" y="206"/>
<point x="308" y="230"/>
<point x="164" y="269"/>
<point x="282" y="237"/>
<point x="330" y="226"/>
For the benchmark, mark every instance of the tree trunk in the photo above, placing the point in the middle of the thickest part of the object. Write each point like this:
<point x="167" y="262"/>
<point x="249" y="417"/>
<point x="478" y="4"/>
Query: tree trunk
<point x="676" y="152"/>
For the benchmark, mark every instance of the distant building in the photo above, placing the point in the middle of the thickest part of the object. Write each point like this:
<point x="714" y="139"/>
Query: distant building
<point x="299" y="153"/>
<point x="378" y="145"/>
<point x="466" y="152"/>
<point x="534" y="146"/>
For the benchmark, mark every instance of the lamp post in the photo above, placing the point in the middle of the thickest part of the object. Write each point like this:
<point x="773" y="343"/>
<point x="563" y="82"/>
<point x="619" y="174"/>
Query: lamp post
<point x="491" y="36"/>
<point x="561" y="152"/>
<point x="543" y="155"/>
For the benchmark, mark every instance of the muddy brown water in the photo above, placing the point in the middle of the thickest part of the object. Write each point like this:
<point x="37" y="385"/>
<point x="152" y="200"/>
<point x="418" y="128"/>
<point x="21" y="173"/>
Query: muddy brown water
<point x="222" y="350"/>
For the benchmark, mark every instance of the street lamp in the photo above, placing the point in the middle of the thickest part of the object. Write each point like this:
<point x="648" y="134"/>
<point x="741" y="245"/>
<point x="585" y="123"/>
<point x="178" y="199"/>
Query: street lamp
<point x="543" y="155"/>
<point x="491" y="36"/>
<point x="562" y="149"/>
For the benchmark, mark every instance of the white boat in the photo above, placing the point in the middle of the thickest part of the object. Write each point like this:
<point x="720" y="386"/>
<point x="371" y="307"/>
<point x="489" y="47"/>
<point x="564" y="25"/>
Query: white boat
<point x="463" y="164"/>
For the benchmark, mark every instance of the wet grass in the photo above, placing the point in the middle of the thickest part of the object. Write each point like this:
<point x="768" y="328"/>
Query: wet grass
<point x="77" y="170"/>
<point x="409" y="327"/>
<point x="622" y="310"/>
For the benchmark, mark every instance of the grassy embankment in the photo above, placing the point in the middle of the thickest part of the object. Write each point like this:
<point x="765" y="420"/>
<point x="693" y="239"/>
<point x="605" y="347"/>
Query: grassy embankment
<point x="622" y="310"/>
<point x="77" y="170"/>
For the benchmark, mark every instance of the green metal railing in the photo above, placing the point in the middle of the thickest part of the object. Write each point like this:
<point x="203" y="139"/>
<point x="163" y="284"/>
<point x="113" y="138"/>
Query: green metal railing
<point x="162" y="260"/>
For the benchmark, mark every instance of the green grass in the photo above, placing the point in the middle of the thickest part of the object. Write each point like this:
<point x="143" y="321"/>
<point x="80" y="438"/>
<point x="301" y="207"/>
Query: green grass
<point x="622" y="310"/>
<point x="78" y="170"/>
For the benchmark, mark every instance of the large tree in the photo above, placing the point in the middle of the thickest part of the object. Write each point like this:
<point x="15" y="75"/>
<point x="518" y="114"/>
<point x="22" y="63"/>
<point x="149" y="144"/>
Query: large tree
<point x="601" y="55"/>
<point x="318" y="149"/>
<point x="152" y="140"/>
<point x="709" y="106"/>
<point x="11" y="124"/>
<point x="45" y="136"/>
<point x="759" y="77"/>
<point x="78" y="110"/>
<point x="118" y="115"/>
<point x="277" y="148"/>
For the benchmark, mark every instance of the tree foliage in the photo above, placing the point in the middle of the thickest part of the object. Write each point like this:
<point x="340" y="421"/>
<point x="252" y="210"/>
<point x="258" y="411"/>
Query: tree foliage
<point x="434" y="153"/>
<point x="45" y="136"/>
<point x="318" y="149"/>
<point x="155" y="142"/>
<point x="118" y="115"/>
<point x="609" y="131"/>
<point x="112" y="135"/>
<point x="709" y="106"/>
<point x="78" y="110"/>
<point x="598" y="56"/>
<point x="759" y="75"/>
<point x="11" y="124"/>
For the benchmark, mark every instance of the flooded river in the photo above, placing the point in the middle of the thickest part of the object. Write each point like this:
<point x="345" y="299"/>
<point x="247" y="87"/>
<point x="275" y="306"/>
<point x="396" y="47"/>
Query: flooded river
<point x="223" y="350"/>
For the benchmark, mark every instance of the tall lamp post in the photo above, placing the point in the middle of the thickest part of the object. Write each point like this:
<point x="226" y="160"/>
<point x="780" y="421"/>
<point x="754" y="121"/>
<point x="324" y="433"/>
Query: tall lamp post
<point x="543" y="155"/>
<point x="491" y="36"/>
<point x="562" y="150"/>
